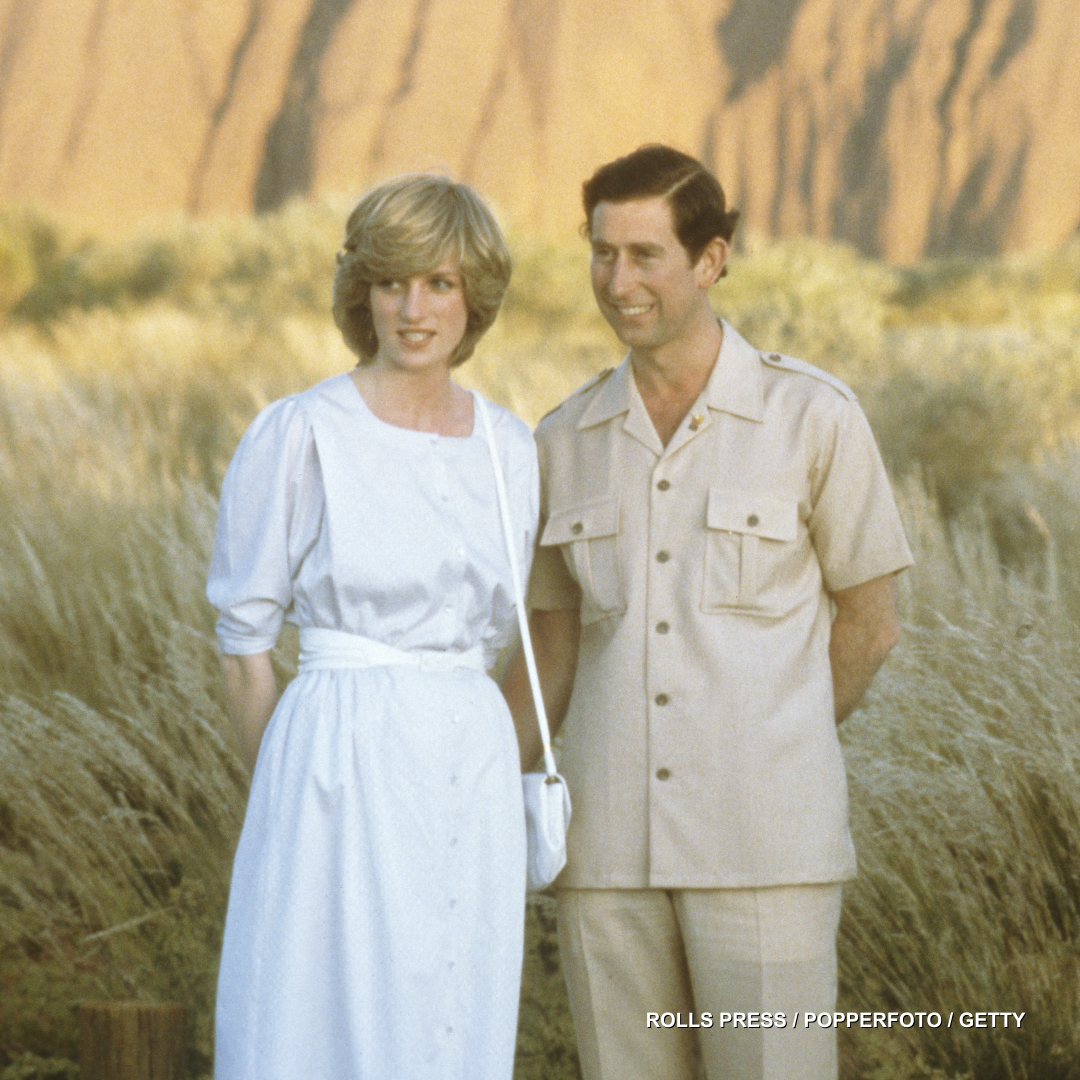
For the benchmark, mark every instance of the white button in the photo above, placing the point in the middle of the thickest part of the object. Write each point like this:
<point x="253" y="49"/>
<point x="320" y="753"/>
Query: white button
<point x="461" y="552"/>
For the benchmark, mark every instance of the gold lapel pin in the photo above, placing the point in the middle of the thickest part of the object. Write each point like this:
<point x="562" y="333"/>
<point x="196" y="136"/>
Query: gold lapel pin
<point x="696" y="421"/>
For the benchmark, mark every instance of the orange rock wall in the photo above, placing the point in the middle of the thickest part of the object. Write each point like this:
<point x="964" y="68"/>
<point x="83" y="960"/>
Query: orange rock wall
<point x="905" y="127"/>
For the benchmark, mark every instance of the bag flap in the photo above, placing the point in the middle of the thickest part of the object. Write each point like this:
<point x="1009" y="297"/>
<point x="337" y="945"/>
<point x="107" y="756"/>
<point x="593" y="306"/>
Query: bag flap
<point x="757" y="515"/>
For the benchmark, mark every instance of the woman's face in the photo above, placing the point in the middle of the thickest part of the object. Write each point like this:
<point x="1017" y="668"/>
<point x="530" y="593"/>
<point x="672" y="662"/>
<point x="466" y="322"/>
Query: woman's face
<point x="419" y="320"/>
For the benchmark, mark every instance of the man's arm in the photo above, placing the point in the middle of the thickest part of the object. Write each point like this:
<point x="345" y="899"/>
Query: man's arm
<point x="251" y="694"/>
<point x="866" y="627"/>
<point x="555" y="637"/>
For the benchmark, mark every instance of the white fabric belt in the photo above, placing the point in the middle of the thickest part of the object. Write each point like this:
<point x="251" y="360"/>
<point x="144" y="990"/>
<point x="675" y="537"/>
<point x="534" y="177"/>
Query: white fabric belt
<point x="322" y="649"/>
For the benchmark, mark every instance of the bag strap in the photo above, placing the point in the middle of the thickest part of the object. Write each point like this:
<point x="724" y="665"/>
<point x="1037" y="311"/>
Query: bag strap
<point x="515" y="574"/>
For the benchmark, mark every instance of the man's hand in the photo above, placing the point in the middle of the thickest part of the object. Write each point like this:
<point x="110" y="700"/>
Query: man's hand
<point x="866" y="627"/>
<point x="555" y="637"/>
<point x="251" y="694"/>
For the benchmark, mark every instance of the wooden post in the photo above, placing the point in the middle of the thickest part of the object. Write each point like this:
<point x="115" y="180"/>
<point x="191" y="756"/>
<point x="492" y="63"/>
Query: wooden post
<point x="132" y="1040"/>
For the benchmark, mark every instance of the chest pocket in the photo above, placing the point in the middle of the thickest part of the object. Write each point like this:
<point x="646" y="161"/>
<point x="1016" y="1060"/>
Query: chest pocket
<point x="749" y="551"/>
<point x="589" y="536"/>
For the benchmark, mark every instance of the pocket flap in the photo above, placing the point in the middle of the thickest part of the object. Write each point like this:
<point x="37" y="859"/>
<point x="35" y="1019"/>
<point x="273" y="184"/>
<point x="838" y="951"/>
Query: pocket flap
<point x="757" y="515"/>
<point x="584" y="522"/>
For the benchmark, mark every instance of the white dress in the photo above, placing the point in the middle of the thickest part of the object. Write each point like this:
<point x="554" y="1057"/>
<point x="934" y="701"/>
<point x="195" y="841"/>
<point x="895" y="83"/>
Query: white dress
<point x="375" y="920"/>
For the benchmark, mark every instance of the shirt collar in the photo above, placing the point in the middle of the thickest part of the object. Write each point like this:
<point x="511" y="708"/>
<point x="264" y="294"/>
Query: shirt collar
<point x="735" y="384"/>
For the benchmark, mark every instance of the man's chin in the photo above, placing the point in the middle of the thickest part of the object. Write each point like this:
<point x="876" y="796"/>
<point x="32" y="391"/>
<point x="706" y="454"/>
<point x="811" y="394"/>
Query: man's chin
<point x="632" y="337"/>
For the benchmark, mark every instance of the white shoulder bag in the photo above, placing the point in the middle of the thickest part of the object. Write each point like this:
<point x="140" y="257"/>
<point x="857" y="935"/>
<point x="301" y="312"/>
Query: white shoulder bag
<point x="547" y="802"/>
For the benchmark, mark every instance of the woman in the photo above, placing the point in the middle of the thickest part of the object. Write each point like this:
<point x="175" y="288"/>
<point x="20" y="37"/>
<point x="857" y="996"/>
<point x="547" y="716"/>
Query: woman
<point x="374" y="927"/>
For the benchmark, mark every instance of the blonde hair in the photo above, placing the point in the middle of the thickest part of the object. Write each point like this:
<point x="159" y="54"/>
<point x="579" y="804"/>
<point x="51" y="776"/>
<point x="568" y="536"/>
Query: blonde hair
<point x="407" y="227"/>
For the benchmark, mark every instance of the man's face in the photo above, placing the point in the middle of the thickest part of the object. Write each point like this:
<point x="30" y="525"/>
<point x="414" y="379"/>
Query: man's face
<point x="642" y="278"/>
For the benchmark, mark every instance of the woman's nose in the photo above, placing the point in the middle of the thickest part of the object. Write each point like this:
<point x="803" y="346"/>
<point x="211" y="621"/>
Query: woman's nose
<point x="412" y="305"/>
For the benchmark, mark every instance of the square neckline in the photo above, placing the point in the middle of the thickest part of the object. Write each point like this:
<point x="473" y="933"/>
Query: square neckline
<point x="369" y="412"/>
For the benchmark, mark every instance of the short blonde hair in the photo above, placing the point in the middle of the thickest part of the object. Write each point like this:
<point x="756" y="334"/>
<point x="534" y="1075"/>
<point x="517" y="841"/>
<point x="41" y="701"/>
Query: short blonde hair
<point x="407" y="227"/>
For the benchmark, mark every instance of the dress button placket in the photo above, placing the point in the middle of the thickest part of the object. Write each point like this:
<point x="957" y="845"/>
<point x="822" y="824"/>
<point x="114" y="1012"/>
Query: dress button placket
<point x="450" y="1016"/>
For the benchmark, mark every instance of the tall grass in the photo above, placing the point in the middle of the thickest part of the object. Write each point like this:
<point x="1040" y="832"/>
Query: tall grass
<point x="128" y="372"/>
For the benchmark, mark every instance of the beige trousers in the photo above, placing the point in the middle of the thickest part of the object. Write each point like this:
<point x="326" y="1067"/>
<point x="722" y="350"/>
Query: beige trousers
<point x="631" y="956"/>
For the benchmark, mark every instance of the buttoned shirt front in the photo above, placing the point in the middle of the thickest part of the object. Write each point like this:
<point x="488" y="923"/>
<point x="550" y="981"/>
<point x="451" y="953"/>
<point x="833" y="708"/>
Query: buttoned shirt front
<point x="700" y="747"/>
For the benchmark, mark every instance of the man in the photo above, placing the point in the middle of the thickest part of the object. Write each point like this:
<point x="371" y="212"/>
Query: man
<point x="705" y="508"/>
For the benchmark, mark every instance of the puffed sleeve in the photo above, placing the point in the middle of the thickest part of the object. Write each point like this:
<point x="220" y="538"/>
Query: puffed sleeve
<point x="269" y="518"/>
<point x="855" y="526"/>
<point x="528" y="486"/>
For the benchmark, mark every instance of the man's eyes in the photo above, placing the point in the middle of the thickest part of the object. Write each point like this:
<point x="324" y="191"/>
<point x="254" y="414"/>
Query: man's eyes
<point x="636" y="255"/>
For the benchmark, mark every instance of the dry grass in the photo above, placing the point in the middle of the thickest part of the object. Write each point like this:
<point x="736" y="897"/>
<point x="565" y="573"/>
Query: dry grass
<point x="129" y="371"/>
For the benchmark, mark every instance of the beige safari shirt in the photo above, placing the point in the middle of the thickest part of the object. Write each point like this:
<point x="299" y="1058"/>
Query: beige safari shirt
<point x="700" y="747"/>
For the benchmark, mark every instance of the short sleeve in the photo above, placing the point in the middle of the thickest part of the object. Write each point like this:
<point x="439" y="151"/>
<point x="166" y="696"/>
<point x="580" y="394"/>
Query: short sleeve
<point x="551" y="586"/>
<point x="854" y="525"/>
<point x="269" y="518"/>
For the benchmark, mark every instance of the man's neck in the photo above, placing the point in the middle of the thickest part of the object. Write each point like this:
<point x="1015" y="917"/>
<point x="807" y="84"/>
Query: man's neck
<point x="672" y="378"/>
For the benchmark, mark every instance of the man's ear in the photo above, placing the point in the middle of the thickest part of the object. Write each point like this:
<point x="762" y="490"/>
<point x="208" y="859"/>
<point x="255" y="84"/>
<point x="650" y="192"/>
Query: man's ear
<point x="710" y="264"/>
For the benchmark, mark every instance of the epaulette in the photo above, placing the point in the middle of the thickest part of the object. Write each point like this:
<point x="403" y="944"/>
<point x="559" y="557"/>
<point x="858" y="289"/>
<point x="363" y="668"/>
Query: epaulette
<point x="789" y="363"/>
<point x="579" y="391"/>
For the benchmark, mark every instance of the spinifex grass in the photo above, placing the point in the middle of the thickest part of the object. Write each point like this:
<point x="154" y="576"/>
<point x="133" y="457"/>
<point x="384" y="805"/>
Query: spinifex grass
<point x="129" y="371"/>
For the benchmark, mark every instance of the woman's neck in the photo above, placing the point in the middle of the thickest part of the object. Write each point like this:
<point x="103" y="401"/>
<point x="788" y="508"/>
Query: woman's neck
<point x="421" y="401"/>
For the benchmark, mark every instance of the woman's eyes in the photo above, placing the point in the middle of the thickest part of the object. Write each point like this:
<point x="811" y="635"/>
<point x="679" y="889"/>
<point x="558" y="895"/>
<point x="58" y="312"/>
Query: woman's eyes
<point x="438" y="284"/>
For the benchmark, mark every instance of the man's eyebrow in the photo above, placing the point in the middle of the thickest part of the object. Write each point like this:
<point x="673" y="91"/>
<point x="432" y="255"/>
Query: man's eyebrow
<point x="643" y="248"/>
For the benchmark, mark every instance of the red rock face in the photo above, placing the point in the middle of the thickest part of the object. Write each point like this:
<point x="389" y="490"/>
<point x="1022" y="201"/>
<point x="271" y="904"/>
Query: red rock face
<point x="905" y="127"/>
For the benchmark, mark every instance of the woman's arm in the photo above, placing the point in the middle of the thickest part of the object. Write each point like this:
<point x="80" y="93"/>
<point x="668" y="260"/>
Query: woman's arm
<point x="555" y="636"/>
<point x="251" y="694"/>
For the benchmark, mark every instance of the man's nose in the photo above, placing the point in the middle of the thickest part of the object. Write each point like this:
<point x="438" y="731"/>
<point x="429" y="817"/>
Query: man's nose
<point x="621" y="280"/>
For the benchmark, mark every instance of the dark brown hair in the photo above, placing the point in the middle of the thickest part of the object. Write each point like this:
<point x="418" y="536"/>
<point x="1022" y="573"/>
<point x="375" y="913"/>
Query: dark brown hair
<point x="698" y="207"/>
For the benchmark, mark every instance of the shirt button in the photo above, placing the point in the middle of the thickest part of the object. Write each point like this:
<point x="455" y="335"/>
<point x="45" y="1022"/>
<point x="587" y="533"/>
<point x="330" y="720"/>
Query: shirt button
<point x="662" y="556"/>
<point x="662" y="628"/>
<point x="662" y="774"/>
<point x="661" y="699"/>
<point x="752" y="520"/>
<point x="576" y="528"/>
<point x="663" y="485"/>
